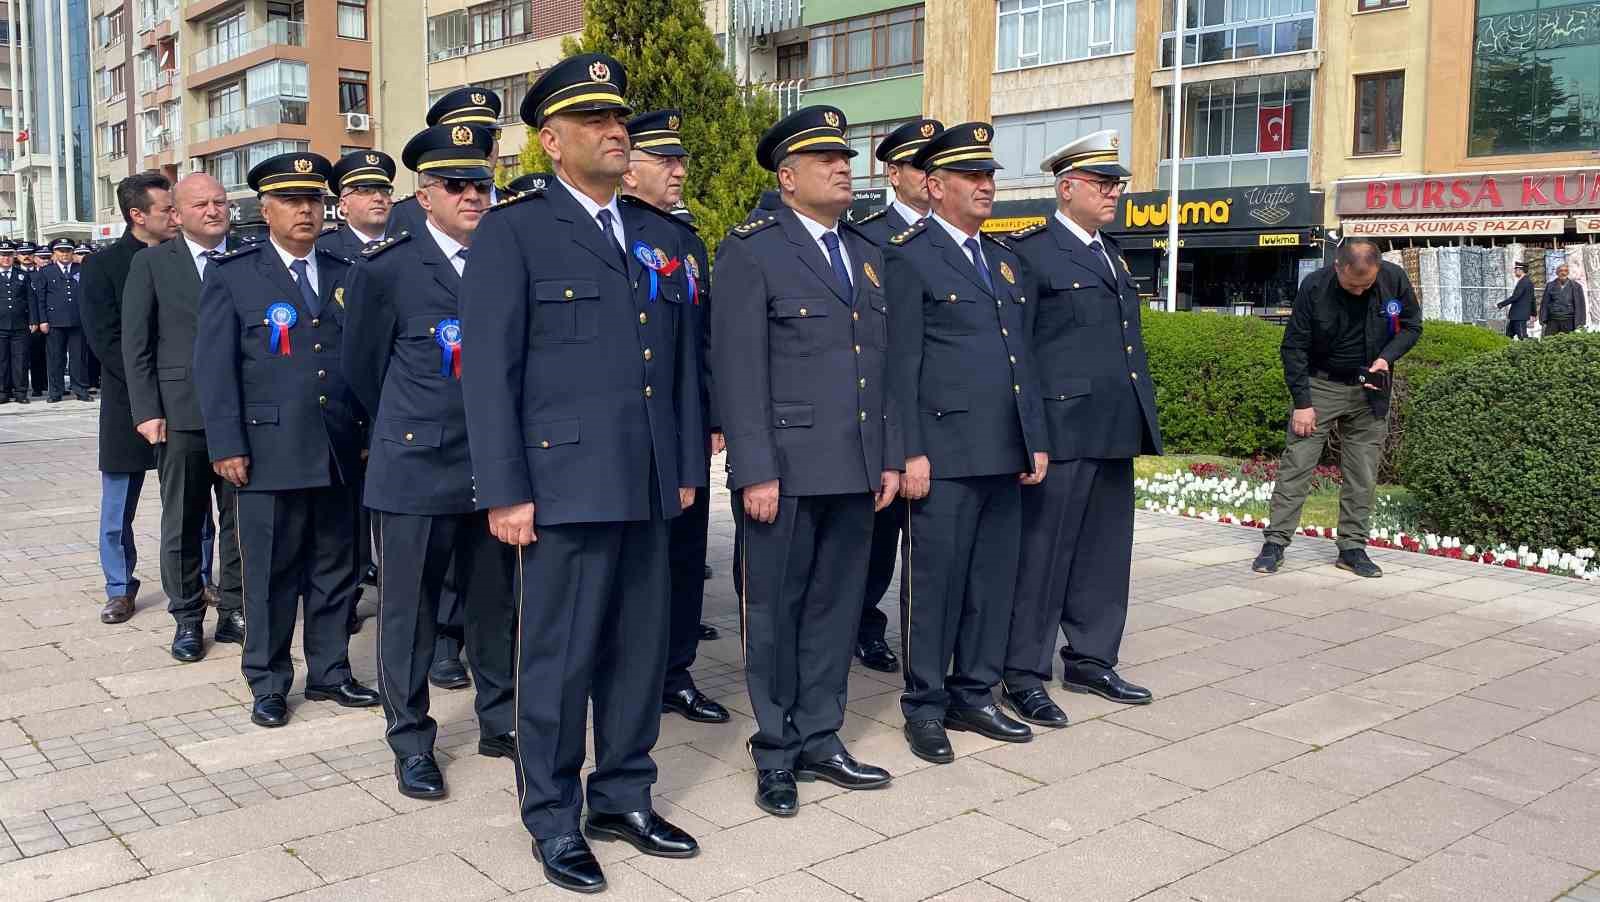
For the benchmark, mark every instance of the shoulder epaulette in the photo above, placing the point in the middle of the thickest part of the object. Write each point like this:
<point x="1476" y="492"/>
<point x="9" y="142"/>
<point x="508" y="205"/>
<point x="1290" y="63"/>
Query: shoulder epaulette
<point x="1032" y="230"/>
<point x="518" y="198"/>
<point x="638" y="204"/>
<point x="997" y="240"/>
<point x="753" y="226"/>
<point x="240" y="251"/>
<point x="875" y="214"/>
<point x="335" y="255"/>
<point x="913" y="231"/>
<point x="379" y="247"/>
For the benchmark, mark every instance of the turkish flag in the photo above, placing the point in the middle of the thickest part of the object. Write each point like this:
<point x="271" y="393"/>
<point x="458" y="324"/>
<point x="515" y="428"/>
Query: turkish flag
<point x="1273" y="128"/>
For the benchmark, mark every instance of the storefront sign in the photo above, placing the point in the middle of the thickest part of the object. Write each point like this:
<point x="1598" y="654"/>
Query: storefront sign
<point x="1418" y="227"/>
<point x="1234" y="239"/>
<point x="1261" y="206"/>
<point x="1588" y="223"/>
<point x="1290" y="240"/>
<point x="1503" y="192"/>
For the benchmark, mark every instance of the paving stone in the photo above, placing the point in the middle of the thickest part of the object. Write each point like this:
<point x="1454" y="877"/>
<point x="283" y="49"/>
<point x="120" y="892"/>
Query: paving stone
<point x="1564" y="825"/>
<point x="1364" y="763"/>
<point x="1481" y="588"/>
<point x="1416" y="606"/>
<point x="1249" y="811"/>
<point x="1324" y="718"/>
<point x="623" y="884"/>
<point x="1190" y="713"/>
<point x="263" y="874"/>
<point x="1414" y="686"/>
<point x="1415" y="817"/>
<point x="1122" y="863"/>
<point x="1055" y="755"/>
<point x="1170" y="676"/>
<point x="1212" y="759"/>
<point x="1305" y="865"/>
<point x="91" y="781"/>
<point x="1240" y="622"/>
<point x="1345" y="626"/>
<point x="1578" y="727"/>
<point x="1517" y="609"/>
<point x="929" y="796"/>
<point x="1088" y="803"/>
<point x="64" y="873"/>
<point x="1492" y="658"/>
<point x="1556" y="634"/>
<point x="170" y="677"/>
<point x="919" y="864"/>
<point x="1375" y="654"/>
<point x="1149" y="615"/>
<point x="1161" y="642"/>
<point x="1460" y="724"/>
<point x="1291" y="681"/>
<point x="1264" y="649"/>
<point x="976" y="891"/>
<point x="1541" y="688"/>
<point x="441" y="827"/>
<point x="436" y="877"/>
<point x="1313" y="603"/>
<point x="259" y="746"/>
<point x="1516" y="769"/>
<point x="1477" y="870"/>
<point x="1450" y="630"/>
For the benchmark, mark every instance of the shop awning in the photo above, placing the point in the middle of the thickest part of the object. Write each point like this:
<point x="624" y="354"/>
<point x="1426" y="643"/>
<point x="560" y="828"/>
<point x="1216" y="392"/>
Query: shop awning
<point x="1237" y="239"/>
<point x="1454" y="226"/>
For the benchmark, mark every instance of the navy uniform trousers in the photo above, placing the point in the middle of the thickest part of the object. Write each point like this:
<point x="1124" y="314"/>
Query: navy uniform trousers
<point x="687" y="538"/>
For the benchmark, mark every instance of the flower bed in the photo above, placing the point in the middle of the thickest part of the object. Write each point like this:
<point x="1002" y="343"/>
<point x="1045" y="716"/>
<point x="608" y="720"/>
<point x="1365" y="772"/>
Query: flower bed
<point x="1238" y="496"/>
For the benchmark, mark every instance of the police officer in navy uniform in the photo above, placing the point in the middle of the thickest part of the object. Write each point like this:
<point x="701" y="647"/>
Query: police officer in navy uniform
<point x="363" y="180"/>
<point x="402" y="346"/>
<point x="583" y="413"/>
<point x="469" y="105"/>
<point x="530" y="181"/>
<point x="55" y="309"/>
<point x="799" y="345"/>
<point x="283" y="428"/>
<point x="16" y="324"/>
<point x="1100" y="409"/>
<point x="906" y="206"/>
<point x="974" y="437"/>
<point x="29" y="258"/>
<point x="655" y="176"/>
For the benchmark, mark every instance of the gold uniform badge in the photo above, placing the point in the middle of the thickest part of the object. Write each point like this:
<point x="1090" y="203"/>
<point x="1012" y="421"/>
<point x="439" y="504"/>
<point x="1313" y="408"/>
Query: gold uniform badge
<point x="1006" y="273"/>
<point x="872" y="275"/>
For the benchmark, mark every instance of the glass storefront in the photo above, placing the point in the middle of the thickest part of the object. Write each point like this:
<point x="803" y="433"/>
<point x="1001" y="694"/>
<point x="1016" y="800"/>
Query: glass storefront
<point x="1535" y="77"/>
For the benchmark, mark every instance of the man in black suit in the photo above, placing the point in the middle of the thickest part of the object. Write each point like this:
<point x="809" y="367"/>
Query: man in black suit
<point x="800" y="339"/>
<point x="1520" y="302"/>
<point x="55" y="309"/>
<point x="655" y="175"/>
<point x="146" y="203"/>
<point x="906" y="207"/>
<point x="1563" y="308"/>
<point x="468" y="105"/>
<point x="1100" y="409"/>
<point x="16" y="326"/>
<point x="402" y="345"/>
<point x="284" y="430"/>
<point x="583" y="413"/>
<point x="160" y="313"/>
<point x="974" y="437"/>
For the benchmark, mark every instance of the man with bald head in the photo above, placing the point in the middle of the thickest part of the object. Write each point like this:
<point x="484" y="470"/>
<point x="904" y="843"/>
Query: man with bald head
<point x="160" y="310"/>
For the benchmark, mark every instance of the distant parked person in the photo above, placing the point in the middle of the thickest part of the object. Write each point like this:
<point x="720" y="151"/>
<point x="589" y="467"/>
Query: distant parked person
<point x="1563" y="309"/>
<point x="1520" y="302"/>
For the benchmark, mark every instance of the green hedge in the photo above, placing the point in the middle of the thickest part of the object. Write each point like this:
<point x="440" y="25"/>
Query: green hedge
<point x="1506" y="446"/>
<point x="1220" y="389"/>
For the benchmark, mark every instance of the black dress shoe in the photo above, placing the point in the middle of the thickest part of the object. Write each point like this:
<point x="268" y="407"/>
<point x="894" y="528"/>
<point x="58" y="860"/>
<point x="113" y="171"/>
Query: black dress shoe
<point x="1034" y="706"/>
<point x="81" y="397"/>
<point x="987" y="721"/>
<point x="350" y="695"/>
<point x="843" y="771"/>
<point x="875" y="654"/>
<point x="776" y="793"/>
<point x="187" y="644"/>
<point x="1356" y="561"/>
<point x="1269" y="560"/>
<point x="448" y="672"/>
<point x="370" y="576"/>
<point x="645" y="830"/>
<point x="569" y="864"/>
<point x="230" y="627"/>
<point x="117" y="610"/>
<point x="419" y="777"/>
<point x="502" y="746"/>
<point x="22" y="399"/>
<point x="1105" y="683"/>
<point x="708" y="633"/>
<point x="270" y="711"/>
<point x="693" y="704"/>
<point x="929" y="742"/>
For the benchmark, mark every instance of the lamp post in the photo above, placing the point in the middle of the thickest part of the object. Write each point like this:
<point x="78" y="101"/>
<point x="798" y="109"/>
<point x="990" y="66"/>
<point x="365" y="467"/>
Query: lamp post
<point x="1175" y="129"/>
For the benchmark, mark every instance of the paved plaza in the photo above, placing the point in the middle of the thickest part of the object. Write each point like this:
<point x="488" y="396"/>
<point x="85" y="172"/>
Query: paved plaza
<point x="1433" y="735"/>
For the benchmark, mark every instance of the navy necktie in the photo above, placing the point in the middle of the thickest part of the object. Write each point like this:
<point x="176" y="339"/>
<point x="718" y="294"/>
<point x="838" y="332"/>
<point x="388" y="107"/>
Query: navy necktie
<point x="971" y="244"/>
<point x="1100" y="258"/>
<point x="611" y="236"/>
<point x="840" y="271"/>
<point x="302" y="274"/>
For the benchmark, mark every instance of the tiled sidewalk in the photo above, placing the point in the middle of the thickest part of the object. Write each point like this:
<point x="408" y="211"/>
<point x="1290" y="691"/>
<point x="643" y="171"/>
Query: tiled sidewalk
<point x="1434" y="735"/>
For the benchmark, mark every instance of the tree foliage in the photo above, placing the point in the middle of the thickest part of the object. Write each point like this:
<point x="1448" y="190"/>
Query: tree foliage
<point x="672" y="61"/>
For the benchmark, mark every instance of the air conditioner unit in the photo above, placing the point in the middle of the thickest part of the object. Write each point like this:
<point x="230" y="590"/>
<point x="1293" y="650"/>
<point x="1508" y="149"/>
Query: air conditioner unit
<point x="761" y="42"/>
<point x="357" y="122"/>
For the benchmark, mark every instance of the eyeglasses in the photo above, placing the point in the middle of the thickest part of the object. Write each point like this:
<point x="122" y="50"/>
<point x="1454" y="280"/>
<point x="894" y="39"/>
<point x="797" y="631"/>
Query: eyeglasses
<point x="457" y="186"/>
<point x="369" y="190"/>
<point x="1106" y="187"/>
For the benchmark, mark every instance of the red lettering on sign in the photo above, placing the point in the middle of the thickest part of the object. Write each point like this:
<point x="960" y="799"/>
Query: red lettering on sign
<point x="1432" y="194"/>
<point x="1377" y="194"/>
<point x="1490" y="193"/>
<point x="1533" y="191"/>
<point x="1397" y="193"/>
<point x="1561" y="190"/>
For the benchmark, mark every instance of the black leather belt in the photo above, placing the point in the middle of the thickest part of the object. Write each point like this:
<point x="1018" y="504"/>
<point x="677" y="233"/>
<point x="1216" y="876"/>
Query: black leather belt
<point x="1326" y="376"/>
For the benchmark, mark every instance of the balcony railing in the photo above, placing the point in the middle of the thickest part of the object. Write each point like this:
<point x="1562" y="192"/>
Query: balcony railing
<point x="753" y="18"/>
<point x="278" y="31"/>
<point x="786" y="94"/>
<point x="157" y="142"/>
<point x="269" y="112"/>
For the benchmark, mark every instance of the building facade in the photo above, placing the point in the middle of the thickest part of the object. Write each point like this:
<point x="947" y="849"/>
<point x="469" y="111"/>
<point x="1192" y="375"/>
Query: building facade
<point x="53" y="131"/>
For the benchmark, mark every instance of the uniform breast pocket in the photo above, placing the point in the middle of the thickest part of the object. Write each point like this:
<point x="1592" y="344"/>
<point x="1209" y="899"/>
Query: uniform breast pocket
<point x="799" y="325"/>
<point x="417" y="345"/>
<point x="1087" y="298"/>
<point x="955" y="312"/>
<point x="412" y="433"/>
<point x="567" y="310"/>
<point x="878" y="319"/>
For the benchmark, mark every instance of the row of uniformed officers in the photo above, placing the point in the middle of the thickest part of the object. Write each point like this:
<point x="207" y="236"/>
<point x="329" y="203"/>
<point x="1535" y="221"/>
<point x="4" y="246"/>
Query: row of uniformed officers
<point x="41" y="331"/>
<point x="533" y="386"/>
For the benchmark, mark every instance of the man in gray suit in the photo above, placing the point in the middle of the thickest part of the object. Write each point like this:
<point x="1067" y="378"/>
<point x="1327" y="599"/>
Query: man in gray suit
<point x="161" y="305"/>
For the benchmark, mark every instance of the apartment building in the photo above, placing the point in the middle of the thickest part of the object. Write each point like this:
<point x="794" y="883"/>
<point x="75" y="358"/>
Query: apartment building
<point x="8" y="125"/>
<point x="49" y="69"/>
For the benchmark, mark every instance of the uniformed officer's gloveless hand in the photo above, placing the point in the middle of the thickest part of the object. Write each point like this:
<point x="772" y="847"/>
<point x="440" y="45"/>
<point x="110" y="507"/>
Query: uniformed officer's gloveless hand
<point x="32" y="329"/>
<point x="513" y="525"/>
<point x="888" y="487"/>
<point x="234" y="469"/>
<point x="685" y="496"/>
<point x="1041" y="463"/>
<point x="761" y="501"/>
<point x="44" y="328"/>
<point x="153" y="430"/>
<point x="919" y="475"/>
<point x="719" y="443"/>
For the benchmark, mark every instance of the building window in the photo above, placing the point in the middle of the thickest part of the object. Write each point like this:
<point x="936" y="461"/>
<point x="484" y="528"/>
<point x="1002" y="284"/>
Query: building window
<point x="447" y="35"/>
<point x="793" y="64"/>
<point x="277" y="79"/>
<point x="867" y="170"/>
<point x="1220" y="30"/>
<point x="1535" y="78"/>
<point x="1042" y="32"/>
<point x="510" y="90"/>
<point x="1369" y="5"/>
<point x="866" y="48"/>
<point x="1380" y="100"/>
<point x="352" y="91"/>
<point x="224" y="100"/>
<point x="500" y="23"/>
<point x="353" y="19"/>
<point x="225" y="169"/>
<point x="1022" y="141"/>
<point x="116" y="82"/>
<point x="119" y="140"/>
<point x="1242" y="131"/>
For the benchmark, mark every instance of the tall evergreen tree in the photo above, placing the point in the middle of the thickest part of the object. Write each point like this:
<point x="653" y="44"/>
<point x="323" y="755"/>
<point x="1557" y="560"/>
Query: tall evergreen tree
<point x="672" y="61"/>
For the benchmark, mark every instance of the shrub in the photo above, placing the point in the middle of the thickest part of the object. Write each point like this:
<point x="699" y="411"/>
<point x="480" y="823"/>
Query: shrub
<point x="1504" y="447"/>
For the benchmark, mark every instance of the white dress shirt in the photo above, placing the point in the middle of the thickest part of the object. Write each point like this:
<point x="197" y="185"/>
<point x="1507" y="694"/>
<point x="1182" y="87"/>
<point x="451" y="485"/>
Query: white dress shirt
<point x="198" y="254"/>
<point x="817" y="230"/>
<point x="365" y="239"/>
<point x="448" y="246"/>
<point x="910" y="215"/>
<point x="288" y="263"/>
<point x="960" y="238"/>
<point x="1086" y="237"/>
<point x="593" y="209"/>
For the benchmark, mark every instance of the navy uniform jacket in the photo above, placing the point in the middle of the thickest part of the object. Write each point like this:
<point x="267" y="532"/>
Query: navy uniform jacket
<point x="881" y="225"/>
<point x="406" y="215"/>
<point x="963" y="367"/>
<point x="1521" y="300"/>
<point x="576" y="382"/>
<point x="802" y="369"/>
<point x="396" y="302"/>
<point x="55" y="299"/>
<point x="700" y="312"/>
<point x="343" y="242"/>
<point x="1098" y="398"/>
<point x="16" y="299"/>
<point x="293" y="415"/>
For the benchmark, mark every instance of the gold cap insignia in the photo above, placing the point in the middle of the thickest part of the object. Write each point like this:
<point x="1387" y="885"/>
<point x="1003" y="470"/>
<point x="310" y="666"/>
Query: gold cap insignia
<point x="1116" y="141"/>
<point x="461" y="136"/>
<point x="927" y="129"/>
<point x="302" y="165"/>
<point x="1006" y="273"/>
<point x="599" y="71"/>
<point x="479" y="99"/>
<point x="372" y="159"/>
<point x="831" y="118"/>
<point x="673" y="122"/>
<point x="872" y="275"/>
<point x="980" y="135"/>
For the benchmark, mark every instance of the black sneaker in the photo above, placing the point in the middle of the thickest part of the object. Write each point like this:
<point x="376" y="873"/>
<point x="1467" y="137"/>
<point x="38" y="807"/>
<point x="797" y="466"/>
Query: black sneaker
<point x="1269" y="560"/>
<point x="1356" y="561"/>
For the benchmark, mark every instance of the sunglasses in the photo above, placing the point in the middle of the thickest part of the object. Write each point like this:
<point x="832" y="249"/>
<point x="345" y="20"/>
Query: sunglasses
<point x="457" y="186"/>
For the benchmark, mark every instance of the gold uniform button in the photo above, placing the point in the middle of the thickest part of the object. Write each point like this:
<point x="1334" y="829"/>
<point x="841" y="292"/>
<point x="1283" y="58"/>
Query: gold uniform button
<point x="409" y="436"/>
<point x="863" y="416"/>
<point x="803" y="311"/>
<point x="1013" y="359"/>
<point x="1135" y="376"/>
<point x="1016" y="389"/>
<point x="1075" y="285"/>
<point x="858" y="349"/>
<point x="322" y="374"/>
<point x="430" y="330"/>
<point x="316" y="322"/>
<point x="1124" y="324"/>
<point x="643" y="319"/>
<point x="998" y="302"/>
<point x="545" y="443"/>
<point x="649" y="392"/>
<point x="568" y="294"/>
<point x="855" y="314"/>
<point x="952" y="299"/>
<point x="323" y="400"/>
<point x="1130" y="349"/>
<point x="647" y="354"/>
<point x="316" y="347"/>
<point x="862" y="382"/>
<point x="1004" y="331"/>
